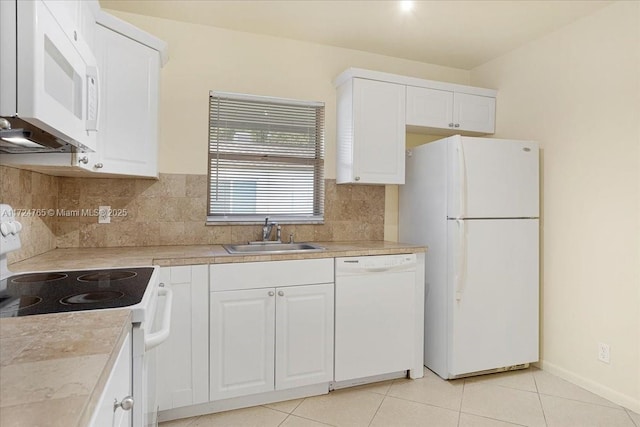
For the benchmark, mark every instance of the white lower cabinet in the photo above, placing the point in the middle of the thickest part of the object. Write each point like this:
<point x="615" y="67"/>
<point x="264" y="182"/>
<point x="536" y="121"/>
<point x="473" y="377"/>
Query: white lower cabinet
<point x="270" y="337"/>
<point x="304" y="335"/>
<point x="242" y="342"/>
<point x="183" y="360"/>
<point x="116" y="390"/>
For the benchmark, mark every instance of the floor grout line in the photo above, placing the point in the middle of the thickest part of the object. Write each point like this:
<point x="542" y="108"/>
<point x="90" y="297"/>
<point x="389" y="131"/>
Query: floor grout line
<point x="461" y="399"/>
<point x="285" y="419"/>
<point x="544" y="414"/>
<point x="628" y="411"/>
<point x="377" y="409"/>
<point x="492" y="419"/>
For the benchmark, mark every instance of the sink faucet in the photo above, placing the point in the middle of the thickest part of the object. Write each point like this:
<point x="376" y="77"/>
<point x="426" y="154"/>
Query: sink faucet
<point x="266" y="230"/>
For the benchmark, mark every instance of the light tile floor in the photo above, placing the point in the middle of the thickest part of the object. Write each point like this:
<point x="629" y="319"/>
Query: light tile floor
<point x="522" y="398"/>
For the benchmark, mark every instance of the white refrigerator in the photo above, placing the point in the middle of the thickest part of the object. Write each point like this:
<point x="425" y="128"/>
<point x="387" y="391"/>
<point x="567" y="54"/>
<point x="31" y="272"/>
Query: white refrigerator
<point x="474" y="202"/>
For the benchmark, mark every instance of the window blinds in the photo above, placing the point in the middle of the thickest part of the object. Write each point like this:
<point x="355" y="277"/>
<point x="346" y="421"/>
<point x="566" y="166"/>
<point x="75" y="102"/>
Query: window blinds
<point x="266" y="158"/>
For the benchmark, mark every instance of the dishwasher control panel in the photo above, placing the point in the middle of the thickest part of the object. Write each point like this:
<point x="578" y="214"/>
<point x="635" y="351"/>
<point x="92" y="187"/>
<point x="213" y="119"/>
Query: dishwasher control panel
<point x="401" y="262"/>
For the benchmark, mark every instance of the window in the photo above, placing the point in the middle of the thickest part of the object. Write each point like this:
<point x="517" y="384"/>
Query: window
<point x="266" y="158"/>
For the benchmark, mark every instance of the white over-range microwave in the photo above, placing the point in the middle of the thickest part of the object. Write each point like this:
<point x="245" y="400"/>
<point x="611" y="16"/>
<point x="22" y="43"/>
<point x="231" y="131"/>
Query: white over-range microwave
<point x="49" y="83"/>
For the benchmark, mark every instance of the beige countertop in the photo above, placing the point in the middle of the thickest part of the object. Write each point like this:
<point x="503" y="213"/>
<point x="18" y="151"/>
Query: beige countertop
<point x="53" y="367"/>
<point x="77" y="258"/>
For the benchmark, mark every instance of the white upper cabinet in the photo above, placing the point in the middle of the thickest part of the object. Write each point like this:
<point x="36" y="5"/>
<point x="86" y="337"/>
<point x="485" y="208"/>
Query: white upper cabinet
<point x="435" y="109"/>
<point x="474" y="113"/>
<point x="128" y="121"/>
<point x="375" y="110"/>
<point x="431" y="108"/>
<point x="371" y="132"/>
<point x="87" y="10"/>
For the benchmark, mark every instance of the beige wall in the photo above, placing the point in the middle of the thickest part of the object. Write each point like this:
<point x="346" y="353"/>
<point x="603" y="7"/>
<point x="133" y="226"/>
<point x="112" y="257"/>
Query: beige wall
<point x="205" y="58"/>
<point x="577" y="92"/>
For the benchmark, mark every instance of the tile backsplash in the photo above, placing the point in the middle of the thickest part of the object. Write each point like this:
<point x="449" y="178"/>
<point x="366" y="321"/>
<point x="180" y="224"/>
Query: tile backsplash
<point x="26" y="192"/>
<point x="168" y="211"/>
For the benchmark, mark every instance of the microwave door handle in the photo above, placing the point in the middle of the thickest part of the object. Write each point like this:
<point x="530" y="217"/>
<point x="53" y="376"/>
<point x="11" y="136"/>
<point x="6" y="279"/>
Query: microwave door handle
<point x="157" y="338"/>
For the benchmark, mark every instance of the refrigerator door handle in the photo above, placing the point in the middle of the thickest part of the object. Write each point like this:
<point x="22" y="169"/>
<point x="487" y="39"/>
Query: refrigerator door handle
<point x="461" y="275"/>
<point x="462" y="177"/>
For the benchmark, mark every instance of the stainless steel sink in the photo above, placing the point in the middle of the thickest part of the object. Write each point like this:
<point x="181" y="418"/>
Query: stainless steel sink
<point x="272" y="248"/>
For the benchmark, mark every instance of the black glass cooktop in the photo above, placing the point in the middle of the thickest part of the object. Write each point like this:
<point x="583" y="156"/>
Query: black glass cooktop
<point x="61" y="291"/>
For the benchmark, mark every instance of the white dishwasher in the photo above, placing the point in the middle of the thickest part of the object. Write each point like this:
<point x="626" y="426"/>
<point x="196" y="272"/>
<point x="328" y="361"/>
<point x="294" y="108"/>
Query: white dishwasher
<point x="375" y="315"/>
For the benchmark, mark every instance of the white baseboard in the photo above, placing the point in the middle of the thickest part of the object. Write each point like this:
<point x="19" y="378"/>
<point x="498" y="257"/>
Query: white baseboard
<point x="616" y="397"/>
<point x="243" y="401"/>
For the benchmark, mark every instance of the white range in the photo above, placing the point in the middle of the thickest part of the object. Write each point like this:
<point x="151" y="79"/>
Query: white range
<point x="136" y="288"/>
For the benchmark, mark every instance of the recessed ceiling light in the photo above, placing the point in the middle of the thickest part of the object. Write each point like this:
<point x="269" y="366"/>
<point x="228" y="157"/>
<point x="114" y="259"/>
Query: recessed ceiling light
<point x="406" y="5"/>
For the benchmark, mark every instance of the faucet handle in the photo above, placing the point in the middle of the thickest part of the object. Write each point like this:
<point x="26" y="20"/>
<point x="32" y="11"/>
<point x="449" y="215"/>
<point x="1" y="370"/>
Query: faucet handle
<point x="266" y="221"/>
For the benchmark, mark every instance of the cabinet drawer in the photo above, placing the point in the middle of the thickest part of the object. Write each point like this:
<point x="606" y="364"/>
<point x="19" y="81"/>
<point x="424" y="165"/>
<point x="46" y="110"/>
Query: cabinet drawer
<point x="251" y="275"/>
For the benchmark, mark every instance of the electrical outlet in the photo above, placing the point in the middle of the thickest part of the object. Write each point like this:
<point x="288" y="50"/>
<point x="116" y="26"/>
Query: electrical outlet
<point x="604" y="354"/>
<point x="104" y="214"/>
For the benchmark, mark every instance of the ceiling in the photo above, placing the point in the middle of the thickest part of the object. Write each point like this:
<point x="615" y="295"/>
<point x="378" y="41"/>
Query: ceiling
<point x="460" y="34"/>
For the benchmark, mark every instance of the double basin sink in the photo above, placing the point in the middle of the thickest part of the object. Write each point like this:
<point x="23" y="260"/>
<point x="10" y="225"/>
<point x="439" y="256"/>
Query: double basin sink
<point x="272" y="248"/>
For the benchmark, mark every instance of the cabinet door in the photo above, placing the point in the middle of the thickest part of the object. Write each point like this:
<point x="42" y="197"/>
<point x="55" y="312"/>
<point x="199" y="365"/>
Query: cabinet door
<point x="429" y="107"/>
<point x="242" y="327"/>
<point x="118" y="387"/>
<point x="474" y="113"/>
<point x="378" y="132"/>
<point x="304" y="335"/>
<point x="128" y="117"/>
<point x="87" y="21"/>
<point x="183" y="360"/>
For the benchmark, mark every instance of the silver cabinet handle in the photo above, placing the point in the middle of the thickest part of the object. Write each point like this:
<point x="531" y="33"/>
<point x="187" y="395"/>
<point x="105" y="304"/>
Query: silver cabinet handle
<point x="450" y="125"/>
<point x="83" y="159"/>
<point x="281" y="293"/>
<point x="98" y="166"/>
<point x="271" y="293"/>
<point x="75" y="35"/>
<point x="457" y="125"/>
<point x="126" y="404"/>
<point x="357" y="178"/>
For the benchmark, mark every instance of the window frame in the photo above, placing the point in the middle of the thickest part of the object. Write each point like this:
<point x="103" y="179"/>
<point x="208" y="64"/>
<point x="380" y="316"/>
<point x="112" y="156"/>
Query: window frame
<point x="317" y="162"/>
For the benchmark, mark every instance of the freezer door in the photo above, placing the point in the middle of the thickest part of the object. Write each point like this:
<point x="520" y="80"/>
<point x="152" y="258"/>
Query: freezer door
<point x="492" y="178"/>
<point x="493" y="296"/>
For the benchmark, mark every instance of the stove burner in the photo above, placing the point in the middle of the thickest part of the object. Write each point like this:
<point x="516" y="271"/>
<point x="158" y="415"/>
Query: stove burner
<point x="92" y="297"/>
<point x="20" y="302"/>
<point x="104" y="276"/>
<point x="38" y="277"/>
<point x="28" y="301"/>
